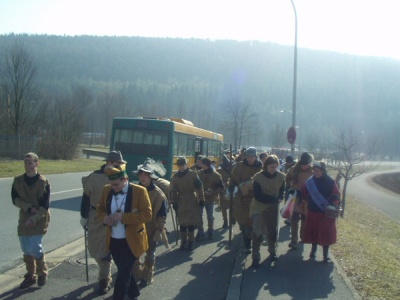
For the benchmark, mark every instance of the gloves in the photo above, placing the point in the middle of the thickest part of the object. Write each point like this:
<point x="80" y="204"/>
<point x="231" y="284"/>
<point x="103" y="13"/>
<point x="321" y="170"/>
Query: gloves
<point x="84" y="222"/>
<point x="201" y="203"/>
<point x="175" y="206"/>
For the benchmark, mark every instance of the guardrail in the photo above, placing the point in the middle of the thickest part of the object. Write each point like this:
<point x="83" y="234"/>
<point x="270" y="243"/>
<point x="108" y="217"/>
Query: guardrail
<point x="93" y="152"/>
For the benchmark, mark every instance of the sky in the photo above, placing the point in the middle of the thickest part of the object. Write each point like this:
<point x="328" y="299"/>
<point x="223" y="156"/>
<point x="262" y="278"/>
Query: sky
<point x="361" y="27"/>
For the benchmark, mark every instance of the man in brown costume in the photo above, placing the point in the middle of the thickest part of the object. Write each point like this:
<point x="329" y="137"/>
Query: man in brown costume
<point x="93" y="185"/>
<point x="30" y="192"/>
<point x="212" y="186"/>
<point x="242" y="174"/>
<point x="155" y="228"/>
<point x="187" y="196"/>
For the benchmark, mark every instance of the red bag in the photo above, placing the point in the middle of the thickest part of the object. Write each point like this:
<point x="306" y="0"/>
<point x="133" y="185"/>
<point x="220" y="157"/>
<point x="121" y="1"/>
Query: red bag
<point x="287" y="209"/>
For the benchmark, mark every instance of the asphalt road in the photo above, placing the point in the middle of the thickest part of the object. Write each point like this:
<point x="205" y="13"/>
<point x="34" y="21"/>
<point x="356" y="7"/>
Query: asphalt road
<point x="368" y="192"/>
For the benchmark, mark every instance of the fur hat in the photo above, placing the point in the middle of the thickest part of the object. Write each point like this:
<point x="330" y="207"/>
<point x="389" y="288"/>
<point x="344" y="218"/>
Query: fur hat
<point x="306" y="158"/>
<point x="116" y="172"/>
<point x="319" y="165"/>
<point x="115" y="156"/>
<point x="155" y="168"/>
<point x="181" y="161"/>
<point x="251" y="151"/>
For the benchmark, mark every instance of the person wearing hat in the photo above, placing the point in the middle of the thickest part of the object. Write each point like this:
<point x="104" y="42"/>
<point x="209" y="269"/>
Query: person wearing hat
<point x="155" y="228"/>
<point x="93" y="185"/>
<point x="295" y="178"/>
<point x="268" y="191"/>
<point x="212" y="186"/>
<point x="289" y="162"/>
<point x="225" y="169"/>
<point x="241" y="178"/>
<point x="321" y="193"/>
<point x="187" y="196"/>
<point x="124" y="208"/>
<point x="197" y="166"/>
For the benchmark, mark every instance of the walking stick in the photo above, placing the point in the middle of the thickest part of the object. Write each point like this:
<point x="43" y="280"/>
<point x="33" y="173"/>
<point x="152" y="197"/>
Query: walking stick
<point x="277" y="224"/>
<point x="230" y="203"/>
<point x="85" y="229"/>
<point x="173" y="220"/>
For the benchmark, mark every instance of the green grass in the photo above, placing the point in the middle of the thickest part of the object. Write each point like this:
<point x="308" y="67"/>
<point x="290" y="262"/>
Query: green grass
<point x="368" y="249"/>
<point x="11" y="168"/>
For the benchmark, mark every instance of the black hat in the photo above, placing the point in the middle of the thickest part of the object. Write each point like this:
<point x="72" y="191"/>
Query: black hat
<point x="115" y="156"/>
<point x="306" y="158"/>
<point x="181" y="161"/>
<point x="206" y="161"/>
<point x="289" y="159"/>
<point x="199" y="157"/>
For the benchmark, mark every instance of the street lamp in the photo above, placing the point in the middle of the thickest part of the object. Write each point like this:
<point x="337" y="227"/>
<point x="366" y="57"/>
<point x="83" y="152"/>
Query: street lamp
<point x="294" y="75"/>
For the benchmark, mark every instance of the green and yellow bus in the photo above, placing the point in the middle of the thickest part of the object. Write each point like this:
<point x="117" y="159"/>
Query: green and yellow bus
<point x="162" y="139"/>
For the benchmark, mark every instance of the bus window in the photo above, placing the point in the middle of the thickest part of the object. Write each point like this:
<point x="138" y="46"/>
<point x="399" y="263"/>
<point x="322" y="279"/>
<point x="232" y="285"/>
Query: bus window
<point x="126" y="136"/>
<point x="138" y="137"/>
<point x="205" y="148"/>
<point x="190" y="147"/>
<point x="148" y="138"/>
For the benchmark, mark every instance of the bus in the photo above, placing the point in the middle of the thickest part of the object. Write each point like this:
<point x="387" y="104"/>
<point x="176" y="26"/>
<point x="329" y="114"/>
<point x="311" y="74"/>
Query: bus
<point x="162" y="139"/>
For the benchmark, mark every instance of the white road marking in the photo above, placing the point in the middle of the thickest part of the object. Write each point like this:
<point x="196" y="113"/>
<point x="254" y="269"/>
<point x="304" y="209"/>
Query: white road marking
<point x="54" y="193"/>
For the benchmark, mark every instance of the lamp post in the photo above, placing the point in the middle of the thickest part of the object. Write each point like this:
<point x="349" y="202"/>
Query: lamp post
<point x="294" y="75"/>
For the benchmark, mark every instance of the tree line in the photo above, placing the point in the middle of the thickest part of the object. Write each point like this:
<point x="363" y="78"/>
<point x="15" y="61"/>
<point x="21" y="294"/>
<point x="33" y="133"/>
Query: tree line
<point x="79" y="84"/>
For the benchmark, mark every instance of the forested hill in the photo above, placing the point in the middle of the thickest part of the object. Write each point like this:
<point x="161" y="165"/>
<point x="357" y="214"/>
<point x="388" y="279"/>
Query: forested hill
<point x="332" y="88"/>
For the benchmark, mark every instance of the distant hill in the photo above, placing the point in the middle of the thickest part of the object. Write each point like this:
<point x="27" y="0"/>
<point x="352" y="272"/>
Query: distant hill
<point x="332" y="88"/>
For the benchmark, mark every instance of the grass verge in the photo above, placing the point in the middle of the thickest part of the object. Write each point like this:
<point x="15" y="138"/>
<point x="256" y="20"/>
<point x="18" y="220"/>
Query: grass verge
<point x="12" y="168"/>
<point x="368" y="249"/>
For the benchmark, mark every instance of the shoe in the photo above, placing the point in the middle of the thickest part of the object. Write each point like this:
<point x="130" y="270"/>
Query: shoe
<point x="273" y="257"/>
<point x="327" y="260"/>
<point x="104" y="286"/>
<point x="189" y="246"/>
<point x="199" y="237"/>
<point x="210" y="235"/>
<point x="312" y="255"/>
<point x="182" y="247"/>
<point x="225" y="225"/>
<point x="42" y="279"/>
<point x="28" y="281"/>
<point x="287" y="222"/>
<point x="293" y="245"/>
<point x="255" y="263"/>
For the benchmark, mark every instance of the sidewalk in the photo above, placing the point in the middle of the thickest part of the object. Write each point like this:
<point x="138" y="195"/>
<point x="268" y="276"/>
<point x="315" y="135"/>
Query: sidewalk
<point x="293" y="276"/>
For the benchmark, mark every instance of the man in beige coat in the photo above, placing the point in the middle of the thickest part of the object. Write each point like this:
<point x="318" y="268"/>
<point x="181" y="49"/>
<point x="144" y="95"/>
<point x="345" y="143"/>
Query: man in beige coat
<point x="93" y="185"/>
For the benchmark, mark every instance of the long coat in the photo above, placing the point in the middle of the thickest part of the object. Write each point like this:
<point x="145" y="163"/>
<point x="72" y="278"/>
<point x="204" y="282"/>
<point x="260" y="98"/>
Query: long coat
<point x="186" y="192"/>
<point x="137" y="212"/>
<point x="242" y="174"/>
<point x="93" y="185"/>
<point x="212" y="184"/>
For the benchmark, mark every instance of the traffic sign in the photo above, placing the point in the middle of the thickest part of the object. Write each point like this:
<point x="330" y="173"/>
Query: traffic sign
<point x="291" y="135"/>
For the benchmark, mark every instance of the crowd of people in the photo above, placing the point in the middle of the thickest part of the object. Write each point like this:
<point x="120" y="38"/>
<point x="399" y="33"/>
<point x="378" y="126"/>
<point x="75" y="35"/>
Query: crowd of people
<point x="126" y="221"/>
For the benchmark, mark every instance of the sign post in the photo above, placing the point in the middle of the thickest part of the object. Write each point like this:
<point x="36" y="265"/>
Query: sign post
<point x="291" y="135"/>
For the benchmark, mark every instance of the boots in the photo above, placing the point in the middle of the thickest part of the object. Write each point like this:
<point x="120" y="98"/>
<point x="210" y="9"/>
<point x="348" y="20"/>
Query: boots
<point x="210" y="231"/>
<point x="325" y="252"/>
<point x="225" y="225"/>
<point x="183" y="240"/>
<point x="30" y="276"/>
<point x="200" y="234"/>
<point x="247" y="244"/>
<point x="42" y="271"/>
<point x="137" y="270"/>
<point x="148" y="272"/>
<point x="190" y="241"/>
<point x="256" y="251"/>
<point x="313" y="251"/>
<point x="105" y="285"/>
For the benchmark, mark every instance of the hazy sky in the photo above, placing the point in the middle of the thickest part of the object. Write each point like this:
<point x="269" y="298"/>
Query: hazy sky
<point x="364" y="27"/>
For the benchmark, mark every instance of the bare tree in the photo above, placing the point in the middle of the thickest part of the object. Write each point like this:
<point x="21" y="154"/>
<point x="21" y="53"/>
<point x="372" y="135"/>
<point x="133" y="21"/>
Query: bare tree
<point x="18" y="90"/>
<point x="354" y="156"/>
<point x="240" y="114"/>
<point x="276" y="135"/>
